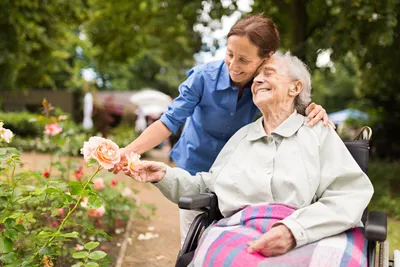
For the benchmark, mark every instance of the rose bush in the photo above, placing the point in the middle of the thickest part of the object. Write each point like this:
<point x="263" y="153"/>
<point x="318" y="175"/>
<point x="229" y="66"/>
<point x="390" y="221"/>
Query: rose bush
<point x="46" y="213"/>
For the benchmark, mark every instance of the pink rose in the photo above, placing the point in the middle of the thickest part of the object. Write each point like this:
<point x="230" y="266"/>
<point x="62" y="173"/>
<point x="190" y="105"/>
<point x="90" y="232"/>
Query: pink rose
<point x="52" y="129"/>
<point x="128" y="193"/>
<point x="97" y="213"/>
<point x="60" y="212"/>
<point x="6" y="134"/>
<point x="62" y="118"/>
<point x="84" y="202"/>
<point x="105" y="151"/>
<point x="78" y="247"/>
<point x="98" y="183"/>
<point x="134" y="163"/>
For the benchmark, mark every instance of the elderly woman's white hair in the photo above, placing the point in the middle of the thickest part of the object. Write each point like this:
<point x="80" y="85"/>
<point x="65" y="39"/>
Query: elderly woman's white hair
<point x="299" y="71"/>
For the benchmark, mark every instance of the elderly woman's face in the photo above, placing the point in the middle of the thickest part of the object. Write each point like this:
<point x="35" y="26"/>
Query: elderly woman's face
<point x="272" y="84"/>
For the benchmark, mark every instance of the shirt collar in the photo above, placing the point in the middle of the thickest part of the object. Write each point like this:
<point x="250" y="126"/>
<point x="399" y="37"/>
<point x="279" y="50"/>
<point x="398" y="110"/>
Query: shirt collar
<point x="286" y="129"/>
<point x="224" y="79"/>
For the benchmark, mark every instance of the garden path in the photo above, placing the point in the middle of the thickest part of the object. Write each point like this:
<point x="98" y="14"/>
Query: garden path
<point x="155" y="252"/>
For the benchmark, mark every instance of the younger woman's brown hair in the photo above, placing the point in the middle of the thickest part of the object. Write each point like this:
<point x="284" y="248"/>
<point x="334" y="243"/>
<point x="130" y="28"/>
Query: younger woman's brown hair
<point x="261" y="31"/>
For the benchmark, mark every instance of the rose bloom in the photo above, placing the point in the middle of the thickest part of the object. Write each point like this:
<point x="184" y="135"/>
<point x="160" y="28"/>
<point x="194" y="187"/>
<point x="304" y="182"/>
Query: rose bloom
<point x="79" y="247"/>
<point x="134" y="163"/>
<point x="84" y="202"/>
<point x="62" y="118"/>
<point x="52" y="129"/>
<point x="128" y="193"/>
<point x="78" y="174"/>
<point x="105" y="151"/>
<point x="97" y="213"/>
<point x="113" y="182"/>
<point x="98" y="183"/>
<point x="6" y="134"/>
<point x="46" y="174"/>
<point x="60" y="212"/>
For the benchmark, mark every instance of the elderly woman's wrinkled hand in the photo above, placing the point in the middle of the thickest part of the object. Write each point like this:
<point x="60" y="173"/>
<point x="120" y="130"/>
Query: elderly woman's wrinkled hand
<point x="118" y="167"/>
<point x="275" y="242"/>
<point x="146" y="171"/>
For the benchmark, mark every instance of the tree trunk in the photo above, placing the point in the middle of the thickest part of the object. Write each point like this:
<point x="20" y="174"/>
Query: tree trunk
<point x="299" y="24"/>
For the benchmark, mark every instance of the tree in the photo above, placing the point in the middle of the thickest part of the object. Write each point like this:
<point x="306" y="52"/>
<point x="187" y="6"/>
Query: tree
<point x="366" y="28"/>
<point x="147" y="42"/>
<point x="38" y="39"/>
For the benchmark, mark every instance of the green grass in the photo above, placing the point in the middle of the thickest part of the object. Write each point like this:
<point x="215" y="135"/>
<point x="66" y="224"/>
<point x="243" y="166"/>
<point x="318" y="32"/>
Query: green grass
<point x="393" y="235"/>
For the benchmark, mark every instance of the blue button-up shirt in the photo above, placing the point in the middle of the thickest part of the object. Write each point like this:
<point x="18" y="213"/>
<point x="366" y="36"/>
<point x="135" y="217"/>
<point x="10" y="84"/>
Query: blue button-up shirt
<point x="209" y="100"/>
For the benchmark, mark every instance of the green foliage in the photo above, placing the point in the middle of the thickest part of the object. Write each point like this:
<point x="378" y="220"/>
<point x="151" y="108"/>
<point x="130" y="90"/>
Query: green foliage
<point x="369" y="31"/>
<point x="148" y="44"/>
<point x="38" y="41"/>
<point x="26" y="124"/>
<point x="384" y="176"/>
<point x="336" y="90"/>
<point x="40" y="216"/>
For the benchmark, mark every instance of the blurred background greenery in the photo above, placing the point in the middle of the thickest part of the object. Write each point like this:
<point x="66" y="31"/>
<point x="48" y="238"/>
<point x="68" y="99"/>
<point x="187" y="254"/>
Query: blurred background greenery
<point x="132" y="44"/>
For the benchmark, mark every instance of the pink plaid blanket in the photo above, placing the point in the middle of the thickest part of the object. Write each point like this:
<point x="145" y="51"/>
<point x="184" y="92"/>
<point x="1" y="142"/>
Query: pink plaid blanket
<point x="225" y="243"/>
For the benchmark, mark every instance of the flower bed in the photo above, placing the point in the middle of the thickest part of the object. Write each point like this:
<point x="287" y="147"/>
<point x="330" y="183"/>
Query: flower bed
<point x="60" y="216"/>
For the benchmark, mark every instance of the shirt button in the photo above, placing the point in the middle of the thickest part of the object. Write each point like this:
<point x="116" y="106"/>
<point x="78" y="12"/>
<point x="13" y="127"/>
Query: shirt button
<point x="231" y="113"/>
<point x="268" y="171"/>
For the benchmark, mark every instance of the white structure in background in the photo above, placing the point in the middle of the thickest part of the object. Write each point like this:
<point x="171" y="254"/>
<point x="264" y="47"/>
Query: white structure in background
<point x="140" y="124"/>
<point x="151" y="103"/>
<point x="87" y="111"/>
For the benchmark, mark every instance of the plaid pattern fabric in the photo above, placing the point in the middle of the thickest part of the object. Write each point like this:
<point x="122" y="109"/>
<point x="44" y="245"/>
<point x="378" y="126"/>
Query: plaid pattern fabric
<point x="225" y="243"/>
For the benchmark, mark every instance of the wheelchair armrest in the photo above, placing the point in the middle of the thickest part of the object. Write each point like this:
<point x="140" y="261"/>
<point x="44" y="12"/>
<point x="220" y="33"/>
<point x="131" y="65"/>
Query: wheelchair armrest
<point x="376" y="226"/>
<point x="197" y="201"/>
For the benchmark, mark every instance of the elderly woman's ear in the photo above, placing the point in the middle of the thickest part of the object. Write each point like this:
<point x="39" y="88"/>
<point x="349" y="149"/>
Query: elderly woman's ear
<point x="295" y="89"/>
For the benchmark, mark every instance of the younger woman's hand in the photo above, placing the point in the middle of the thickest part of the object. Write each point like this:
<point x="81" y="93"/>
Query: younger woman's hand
<point x="315" y="113"/>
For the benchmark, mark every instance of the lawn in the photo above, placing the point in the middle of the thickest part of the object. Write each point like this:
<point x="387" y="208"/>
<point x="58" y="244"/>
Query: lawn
<point x="393" y="235"/>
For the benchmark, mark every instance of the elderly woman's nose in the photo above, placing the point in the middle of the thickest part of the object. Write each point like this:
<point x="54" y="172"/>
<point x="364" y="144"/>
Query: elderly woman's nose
<point x="259" y="79"/>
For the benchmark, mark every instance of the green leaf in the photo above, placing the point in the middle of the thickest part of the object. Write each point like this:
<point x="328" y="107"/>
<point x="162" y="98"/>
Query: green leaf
<point x="71" y="235"/>
<point x="91" y="162"/>
<point x="13" y="151"/>
<point x="77" y="265"/>
<point x="20" y="228"/>
<point x="6" y="245"/>
<point x="9" y="223"/>
<point x="3" y="151"/>
<point x="80" y="255"/>
<point x="11" y="258"/>
<point x="94" y="202"/>
<point x="51" y="190"/>
<point x="24" y="199"/>
<point x="91" y="245"/>
<point x="97" y="255"/>
<point x="91" y="264"/>
<point x="75" y="188"/>
<point x="11" y="233"/>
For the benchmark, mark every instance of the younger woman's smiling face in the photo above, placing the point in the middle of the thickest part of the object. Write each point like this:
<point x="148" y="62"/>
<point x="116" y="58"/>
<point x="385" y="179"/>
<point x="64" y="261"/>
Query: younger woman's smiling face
<point x="242" y="59"/>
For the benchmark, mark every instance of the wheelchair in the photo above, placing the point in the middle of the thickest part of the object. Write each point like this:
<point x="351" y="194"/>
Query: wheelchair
<point x="375" y="222"/>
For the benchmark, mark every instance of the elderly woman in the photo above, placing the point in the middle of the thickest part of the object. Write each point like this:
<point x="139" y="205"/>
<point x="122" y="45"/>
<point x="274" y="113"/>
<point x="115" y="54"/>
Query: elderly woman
<point x="286" y="189"/>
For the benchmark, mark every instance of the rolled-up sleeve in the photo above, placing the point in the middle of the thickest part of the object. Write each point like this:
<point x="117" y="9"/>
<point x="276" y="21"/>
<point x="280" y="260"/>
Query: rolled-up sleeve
<point x="178" y="182"/>
<point x="190" y="93"/>
<point x="343" y="193"/>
